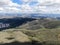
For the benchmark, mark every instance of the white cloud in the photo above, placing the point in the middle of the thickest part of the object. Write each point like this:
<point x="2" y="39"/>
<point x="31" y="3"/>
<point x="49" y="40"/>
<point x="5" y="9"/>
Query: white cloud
<point x="7" y="3"/>
<point x="1" y="8"/>
<point x="8" y="6"/>
<point x="43" y="6"/>
<point x="25" y="1"/>
<point x="49" y="6"/>
<point x="26" y="8"/>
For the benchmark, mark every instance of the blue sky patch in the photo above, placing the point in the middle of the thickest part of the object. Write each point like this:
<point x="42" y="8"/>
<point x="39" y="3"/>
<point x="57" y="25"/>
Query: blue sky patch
<point x="33" y="3"/>
<point x="17" y="1"/>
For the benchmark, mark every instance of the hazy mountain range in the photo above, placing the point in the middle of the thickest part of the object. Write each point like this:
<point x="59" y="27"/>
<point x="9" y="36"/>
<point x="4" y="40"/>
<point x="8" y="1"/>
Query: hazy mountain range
<point x="32" y="15"/>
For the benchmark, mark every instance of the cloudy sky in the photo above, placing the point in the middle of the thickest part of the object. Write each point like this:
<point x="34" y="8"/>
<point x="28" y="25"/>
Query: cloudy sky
<point x="30" y="6"/>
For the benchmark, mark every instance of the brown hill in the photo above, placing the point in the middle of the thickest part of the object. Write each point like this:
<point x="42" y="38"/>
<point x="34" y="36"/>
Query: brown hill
<point x="41" y="23"/>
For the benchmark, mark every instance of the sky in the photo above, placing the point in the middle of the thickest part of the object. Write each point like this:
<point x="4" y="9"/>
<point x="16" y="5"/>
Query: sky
<point x="30" y="6"/>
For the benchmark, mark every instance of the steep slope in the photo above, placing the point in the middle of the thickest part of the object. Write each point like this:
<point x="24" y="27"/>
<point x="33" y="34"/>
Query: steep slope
<point x="44" y="36"/>
<point x="41" y="23"/>
<point x="8" y="36"/>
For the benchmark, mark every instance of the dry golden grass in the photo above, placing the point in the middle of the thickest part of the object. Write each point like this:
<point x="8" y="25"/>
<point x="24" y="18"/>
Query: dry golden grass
<point x="11" y="36"/>
<point x="24" y="35"/>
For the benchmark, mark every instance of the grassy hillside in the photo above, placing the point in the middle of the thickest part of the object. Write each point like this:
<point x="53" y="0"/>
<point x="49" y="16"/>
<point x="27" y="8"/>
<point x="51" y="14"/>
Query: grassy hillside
<point x="41" y="31"/>
<point x="41" y="23"/>
<point x="43" y="36"/>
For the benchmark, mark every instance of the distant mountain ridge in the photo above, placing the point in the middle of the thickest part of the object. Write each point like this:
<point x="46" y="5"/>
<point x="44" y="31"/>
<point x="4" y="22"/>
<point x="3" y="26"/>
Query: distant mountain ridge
<point x="32" y="15"/>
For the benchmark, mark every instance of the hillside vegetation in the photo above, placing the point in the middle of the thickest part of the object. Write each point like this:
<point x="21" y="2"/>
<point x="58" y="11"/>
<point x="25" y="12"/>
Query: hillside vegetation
<point x="40" y="31"/>
<point x="14" y="22"/>
<point x="41" y="23"/>
<point x="43" y="36"/>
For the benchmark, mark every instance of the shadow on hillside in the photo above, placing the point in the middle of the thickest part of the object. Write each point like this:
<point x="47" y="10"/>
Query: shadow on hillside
<point x="15" y="22"/>
<point x="26" y="43"/>
<point x="30" y="43"/>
